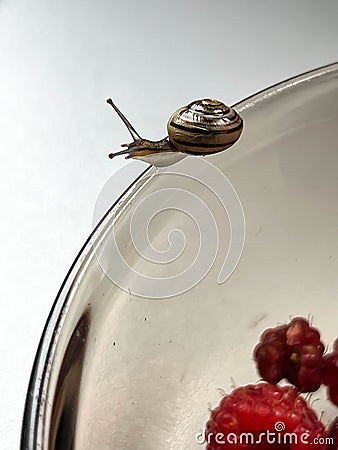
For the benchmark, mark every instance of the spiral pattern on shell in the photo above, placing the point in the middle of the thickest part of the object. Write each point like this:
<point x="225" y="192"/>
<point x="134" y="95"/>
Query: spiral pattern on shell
<point x="204" y="126"/>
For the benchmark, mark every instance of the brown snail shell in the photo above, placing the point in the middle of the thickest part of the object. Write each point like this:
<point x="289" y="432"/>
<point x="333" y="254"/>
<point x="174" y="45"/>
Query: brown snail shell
<point x="201" y="128"/>
<point x="204" y="127"/>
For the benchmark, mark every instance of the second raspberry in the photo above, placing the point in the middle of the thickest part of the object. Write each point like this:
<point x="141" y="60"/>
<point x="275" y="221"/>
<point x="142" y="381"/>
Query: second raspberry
<point x="293" y="351"/>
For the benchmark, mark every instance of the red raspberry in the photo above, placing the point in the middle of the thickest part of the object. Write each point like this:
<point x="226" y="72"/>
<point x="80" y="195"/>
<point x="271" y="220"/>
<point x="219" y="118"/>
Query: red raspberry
<point x="335" y="346"/>
<point x="333" y="434"/>
<point x="330" y="373"/>
<point x="244" y="418"/>
<point x="292" y="351"/>
<point x="330" y="369"/>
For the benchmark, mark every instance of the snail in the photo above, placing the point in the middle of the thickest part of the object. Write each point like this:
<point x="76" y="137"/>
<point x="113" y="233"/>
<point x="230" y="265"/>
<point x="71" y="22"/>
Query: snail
<point x="203" y="127"/>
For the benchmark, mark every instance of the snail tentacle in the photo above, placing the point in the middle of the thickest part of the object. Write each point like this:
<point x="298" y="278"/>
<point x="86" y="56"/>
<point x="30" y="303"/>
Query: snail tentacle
<point x="131" y="129"/>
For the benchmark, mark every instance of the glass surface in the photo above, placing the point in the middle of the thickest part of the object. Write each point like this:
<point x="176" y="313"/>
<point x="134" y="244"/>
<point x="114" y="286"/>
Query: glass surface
<point x="117" y="370"/>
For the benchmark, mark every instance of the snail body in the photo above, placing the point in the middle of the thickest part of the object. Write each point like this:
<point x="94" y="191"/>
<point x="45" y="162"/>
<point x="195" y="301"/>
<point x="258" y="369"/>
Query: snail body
<point x="203" y="127"/>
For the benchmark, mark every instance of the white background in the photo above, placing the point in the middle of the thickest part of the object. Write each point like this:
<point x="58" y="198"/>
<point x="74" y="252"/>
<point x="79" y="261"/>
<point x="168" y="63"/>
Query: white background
<point x="59" y="60"/>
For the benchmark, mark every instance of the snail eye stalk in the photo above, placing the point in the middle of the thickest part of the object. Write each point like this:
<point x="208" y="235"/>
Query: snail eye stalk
<point x="131" y="129"/>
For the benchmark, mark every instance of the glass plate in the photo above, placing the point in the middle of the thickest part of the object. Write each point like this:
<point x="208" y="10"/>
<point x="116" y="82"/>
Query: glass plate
<point x="128" y="362"/>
